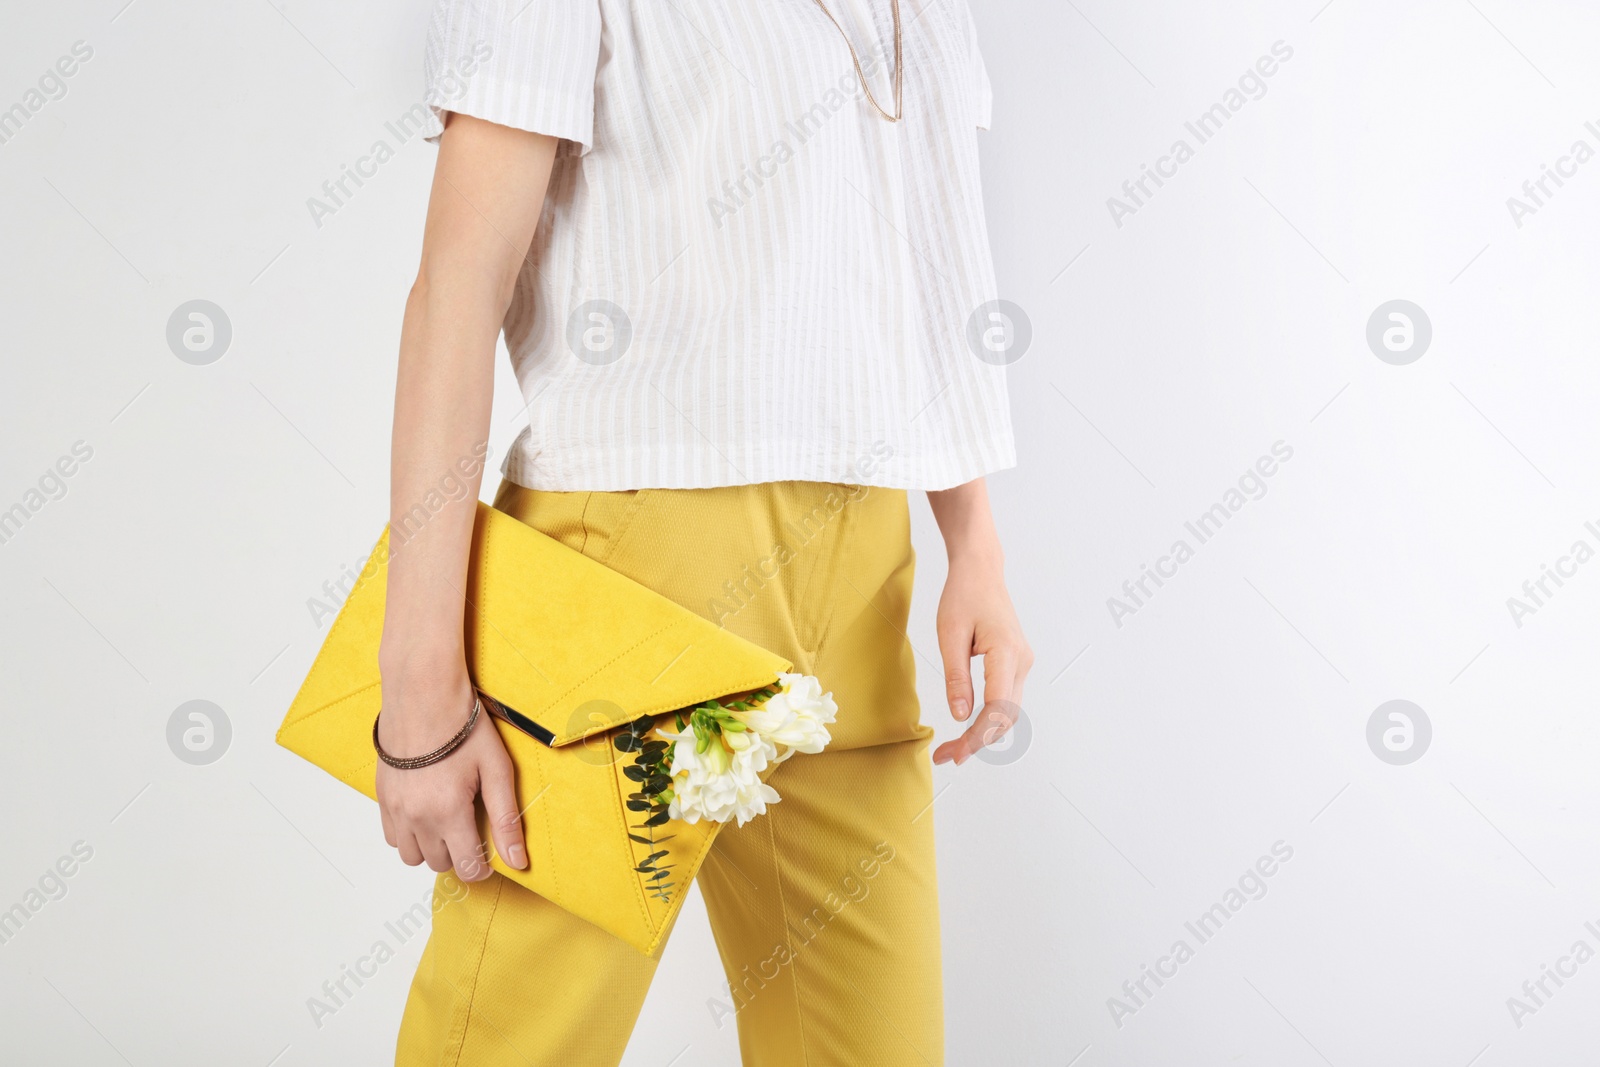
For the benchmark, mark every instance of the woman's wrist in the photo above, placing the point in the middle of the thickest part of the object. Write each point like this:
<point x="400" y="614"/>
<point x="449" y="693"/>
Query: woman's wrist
<point x="967" y="525"/>
<point x="425" y="700"/>
<point x="981" y="553"/>
<point x="425" y="654"/>
<point x="421" y="678"/>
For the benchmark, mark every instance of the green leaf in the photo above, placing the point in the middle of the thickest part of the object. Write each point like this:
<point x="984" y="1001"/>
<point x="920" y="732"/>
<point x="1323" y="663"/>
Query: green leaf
<point x="638" y="774"/>
<point x="639" y="805"/>
<point x="643" y="840"/>
<point x="657" y="819"/>
<point x="657" y="783"/>
<point x="653" y="856"/>
<point x="626" y="742"/>
<point x="658" y="876"/>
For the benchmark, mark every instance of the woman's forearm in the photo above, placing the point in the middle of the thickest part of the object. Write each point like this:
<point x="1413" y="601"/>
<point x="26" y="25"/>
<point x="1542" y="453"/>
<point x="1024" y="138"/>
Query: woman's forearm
<point x="441" y="423"/>
<point x="967" y="524"/>
<point x="487" y="192"/>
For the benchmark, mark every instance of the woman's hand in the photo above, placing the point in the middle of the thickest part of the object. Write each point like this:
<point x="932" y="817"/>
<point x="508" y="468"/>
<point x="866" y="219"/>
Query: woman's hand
<point x="429" y="813"/>
<point x="976" y="618"/>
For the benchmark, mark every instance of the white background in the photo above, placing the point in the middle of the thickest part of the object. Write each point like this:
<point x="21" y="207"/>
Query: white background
<point x="1167" y="754"/>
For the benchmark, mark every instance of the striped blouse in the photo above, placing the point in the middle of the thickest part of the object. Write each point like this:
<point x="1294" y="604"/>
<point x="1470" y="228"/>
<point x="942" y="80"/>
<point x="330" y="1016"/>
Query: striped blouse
<point x="743" y="273"/>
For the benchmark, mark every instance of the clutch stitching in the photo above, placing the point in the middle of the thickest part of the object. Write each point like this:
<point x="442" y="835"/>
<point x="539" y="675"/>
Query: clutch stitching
<point x="318" y="711"/>
<point x="549" y="846"/>
<point x="602" y="669"/>
<point x="658" y="709"/>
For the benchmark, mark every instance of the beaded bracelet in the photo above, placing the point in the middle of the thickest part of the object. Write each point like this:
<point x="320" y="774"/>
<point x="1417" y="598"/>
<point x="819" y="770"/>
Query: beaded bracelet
<point x="411" y="763"/>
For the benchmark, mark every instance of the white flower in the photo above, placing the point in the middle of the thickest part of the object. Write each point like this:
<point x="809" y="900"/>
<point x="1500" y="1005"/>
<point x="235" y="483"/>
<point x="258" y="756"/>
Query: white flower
<point x="796" y="718"/>
<point x="723" y="782"/>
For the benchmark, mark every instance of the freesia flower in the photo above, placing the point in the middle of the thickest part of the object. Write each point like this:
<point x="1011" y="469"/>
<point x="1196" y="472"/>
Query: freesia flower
<point x="796" y="718"/>
<point x="723" y="782"/>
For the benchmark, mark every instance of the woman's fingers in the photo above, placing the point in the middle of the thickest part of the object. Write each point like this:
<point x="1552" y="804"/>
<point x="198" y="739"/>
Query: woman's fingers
<point x="999" y="676"/>
<point x="466" y="849"/>
<point x="1005" y="667"/>
<point x="957" y="750"/>
<point x="457" y="847"/>
<point x="989" y="726"/>
<point x="410" y="851"/>
<point x="505" y="820"/>
<point x="1024" y="663"/>
<point x="955" y="648"/>
<point x="436" y="853"/>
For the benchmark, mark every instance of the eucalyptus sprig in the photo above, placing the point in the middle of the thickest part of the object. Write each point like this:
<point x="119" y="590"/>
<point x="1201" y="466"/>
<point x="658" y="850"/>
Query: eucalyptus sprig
<point x="652" y="770"/>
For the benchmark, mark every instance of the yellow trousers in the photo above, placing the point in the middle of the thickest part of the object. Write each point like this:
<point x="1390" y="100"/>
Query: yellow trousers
<point x="824" y="909"/>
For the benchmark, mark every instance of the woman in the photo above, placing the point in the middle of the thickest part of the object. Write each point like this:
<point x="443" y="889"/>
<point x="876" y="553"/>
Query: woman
<point x="735" y="266"/>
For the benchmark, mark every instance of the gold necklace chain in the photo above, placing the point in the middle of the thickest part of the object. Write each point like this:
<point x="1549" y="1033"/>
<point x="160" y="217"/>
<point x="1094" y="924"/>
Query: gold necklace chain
<point x="899" y="109"/>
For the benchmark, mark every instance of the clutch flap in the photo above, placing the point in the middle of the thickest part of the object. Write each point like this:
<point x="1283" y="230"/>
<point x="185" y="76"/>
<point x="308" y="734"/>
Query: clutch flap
<point x="577" y="649"/>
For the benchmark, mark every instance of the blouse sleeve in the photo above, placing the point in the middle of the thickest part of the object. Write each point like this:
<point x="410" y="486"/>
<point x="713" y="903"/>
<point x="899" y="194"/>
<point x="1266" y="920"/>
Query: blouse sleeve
<point x="529" y="64"/>
<point x="982" y="91"/>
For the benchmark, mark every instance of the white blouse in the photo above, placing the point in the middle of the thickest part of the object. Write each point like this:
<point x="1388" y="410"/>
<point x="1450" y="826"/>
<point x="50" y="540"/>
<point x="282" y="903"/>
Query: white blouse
<point x="743" y="273"/>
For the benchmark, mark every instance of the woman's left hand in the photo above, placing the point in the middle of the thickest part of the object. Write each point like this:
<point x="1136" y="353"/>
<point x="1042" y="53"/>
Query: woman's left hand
<point x="976" y="618"/>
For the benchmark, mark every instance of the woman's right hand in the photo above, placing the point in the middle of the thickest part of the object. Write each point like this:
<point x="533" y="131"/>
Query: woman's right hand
<point x="429" y="813"/>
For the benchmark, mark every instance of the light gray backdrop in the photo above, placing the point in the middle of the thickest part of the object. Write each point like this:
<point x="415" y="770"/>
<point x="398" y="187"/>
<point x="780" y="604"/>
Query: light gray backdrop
<point x="1177" y="339"/>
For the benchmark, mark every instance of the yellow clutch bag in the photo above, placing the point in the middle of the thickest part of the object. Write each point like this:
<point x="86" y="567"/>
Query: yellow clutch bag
<point x="573" y="652"/>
